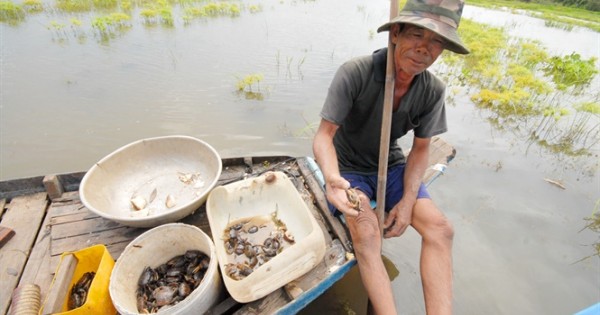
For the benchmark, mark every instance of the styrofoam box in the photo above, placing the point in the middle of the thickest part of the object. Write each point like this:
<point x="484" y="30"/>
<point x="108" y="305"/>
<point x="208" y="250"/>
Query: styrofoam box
<point x="263" y="195"/>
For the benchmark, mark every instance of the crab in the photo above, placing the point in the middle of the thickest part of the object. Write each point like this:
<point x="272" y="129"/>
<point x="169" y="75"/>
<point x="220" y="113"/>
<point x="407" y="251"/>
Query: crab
<point x="354" y="199"/>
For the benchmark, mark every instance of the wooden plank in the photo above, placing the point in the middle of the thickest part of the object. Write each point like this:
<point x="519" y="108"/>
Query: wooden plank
<point x="54" y="187"/>
<point x="57" y="293"/>
<point x="310" y="203"/>
<point x="440" y="153"/>
<point x="200" y="220"/>
<point x="39" y="269"/>
<point x="108" y="237"/>
<point x="68" y="204"/>
<point x="81" y="227"/>
<point x="81" y="213"/>
<point x="267" y="305"/>
<point x="311" y="279"/>
<point x="5" y="235"/>
<point x="27" y="186"/>
<point x="225" y="307"/>
<point x="24" y="215"/>
<point x="19" y="187"/>
<point x="2" y="205"/>
<point x="41" y="266"/>
<point x="116" y="249"/>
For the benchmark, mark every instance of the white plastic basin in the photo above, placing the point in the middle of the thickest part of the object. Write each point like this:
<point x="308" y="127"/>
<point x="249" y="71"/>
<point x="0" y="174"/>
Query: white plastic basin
<point x="155" y="247"/>
<point x="179" y="169"/>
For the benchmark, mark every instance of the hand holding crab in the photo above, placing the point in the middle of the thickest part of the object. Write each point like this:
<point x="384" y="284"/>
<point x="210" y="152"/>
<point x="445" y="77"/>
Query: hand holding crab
<point x="354" y="199"/>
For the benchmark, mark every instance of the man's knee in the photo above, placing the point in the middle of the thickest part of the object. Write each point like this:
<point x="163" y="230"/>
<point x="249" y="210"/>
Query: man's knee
<point x="440" y="230"/>
<point x="446" y="228"/>
<point x="365" y="230"/>
<point x="434" y="224"/>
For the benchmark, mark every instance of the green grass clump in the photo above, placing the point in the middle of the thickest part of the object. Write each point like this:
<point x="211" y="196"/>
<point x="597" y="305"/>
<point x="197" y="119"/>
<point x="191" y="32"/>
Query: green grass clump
<point x="75" y="5"/>
<point x="212" y="9"/>
<point x="588" y="107"/>
<point x="158" y="12"/>
<point x="571" y="71"/>
<point x="33" y="6"/>
<point x="110" y="25"/>
<point x="11" y="13"/>
<point x="245" y="86"/>
<point x="105" y="4"/>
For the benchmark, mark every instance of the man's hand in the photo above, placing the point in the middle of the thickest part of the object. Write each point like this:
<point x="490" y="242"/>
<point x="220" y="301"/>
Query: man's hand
<point x="398" y="219"/>
<point x="336" y="194"/>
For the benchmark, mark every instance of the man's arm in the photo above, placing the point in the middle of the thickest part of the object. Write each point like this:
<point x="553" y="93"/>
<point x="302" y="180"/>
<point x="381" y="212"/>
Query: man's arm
<point x="416" y="164"/>
<point x="326" y="157"/>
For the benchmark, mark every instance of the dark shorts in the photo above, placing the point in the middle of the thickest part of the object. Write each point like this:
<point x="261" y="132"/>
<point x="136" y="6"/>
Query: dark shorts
<point x="393" y="191"/>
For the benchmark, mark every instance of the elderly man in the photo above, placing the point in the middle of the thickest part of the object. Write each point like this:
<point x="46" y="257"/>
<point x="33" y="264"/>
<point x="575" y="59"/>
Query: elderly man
<point x="346" y="147"/>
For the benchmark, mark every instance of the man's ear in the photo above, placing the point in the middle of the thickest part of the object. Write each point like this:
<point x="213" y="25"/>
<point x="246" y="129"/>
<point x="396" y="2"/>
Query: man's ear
<point x="395" y="31"/>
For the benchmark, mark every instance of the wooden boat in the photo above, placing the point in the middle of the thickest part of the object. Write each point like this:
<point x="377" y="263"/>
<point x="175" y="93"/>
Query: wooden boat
<point x="47" y="218"/>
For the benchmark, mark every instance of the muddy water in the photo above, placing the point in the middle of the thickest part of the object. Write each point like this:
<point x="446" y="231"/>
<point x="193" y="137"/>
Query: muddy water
<point x="253" y="241"/>
<point x="68" y="100"/>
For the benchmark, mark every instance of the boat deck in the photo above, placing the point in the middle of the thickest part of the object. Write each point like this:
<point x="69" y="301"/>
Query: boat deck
<point x="48" y="219"/>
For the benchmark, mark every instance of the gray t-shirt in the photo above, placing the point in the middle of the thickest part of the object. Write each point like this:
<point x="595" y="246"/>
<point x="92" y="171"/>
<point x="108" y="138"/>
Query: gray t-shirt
<point x="355" y="103"/>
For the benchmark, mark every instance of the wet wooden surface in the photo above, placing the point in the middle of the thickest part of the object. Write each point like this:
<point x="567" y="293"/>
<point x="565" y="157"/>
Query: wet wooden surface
<point x="45" y="228"/>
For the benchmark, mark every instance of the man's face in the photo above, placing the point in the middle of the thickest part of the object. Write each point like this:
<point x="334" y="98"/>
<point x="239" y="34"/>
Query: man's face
<point x="416" y="49"/>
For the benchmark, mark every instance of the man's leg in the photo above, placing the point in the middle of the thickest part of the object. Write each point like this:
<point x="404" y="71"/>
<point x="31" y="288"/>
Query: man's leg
<point x="366" y="240"/>
<point x="436" y="256"/>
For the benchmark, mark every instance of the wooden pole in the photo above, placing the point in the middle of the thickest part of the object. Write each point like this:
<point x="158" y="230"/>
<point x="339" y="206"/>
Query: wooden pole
<point x="386" y="123"/>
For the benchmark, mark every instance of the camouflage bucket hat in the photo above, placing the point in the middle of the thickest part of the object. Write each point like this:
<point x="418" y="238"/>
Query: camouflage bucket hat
<point x="439" y="16"/>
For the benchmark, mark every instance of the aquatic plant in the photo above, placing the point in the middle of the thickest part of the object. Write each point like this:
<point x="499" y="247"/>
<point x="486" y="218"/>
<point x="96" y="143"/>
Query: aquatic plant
<point x="126" y="5"/>
<point x="56" y="26"/>
<point x="255" y="8"/>
<point x="588" y="107"/>
<point x="105" y="4"/>
<point x="156" y="12"/>
<point x="525" y="90"/>
<point x="593" y="224"/>
<point x="559" y="25"/>
<point x="75" y="22"/>
<point x="74" y="5"/>
<point x="246" y="83"/>
<point x="571" y="71"/>
<point x="212" y="9"/>
<point x="11" y="13"/>
<point x="245" y="86"/>
<point x="110" y="25"/>
<point x="33" y="6"/>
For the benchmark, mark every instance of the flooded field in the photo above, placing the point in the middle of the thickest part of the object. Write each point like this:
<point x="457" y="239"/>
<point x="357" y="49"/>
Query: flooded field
<point x="80" y="79"/>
